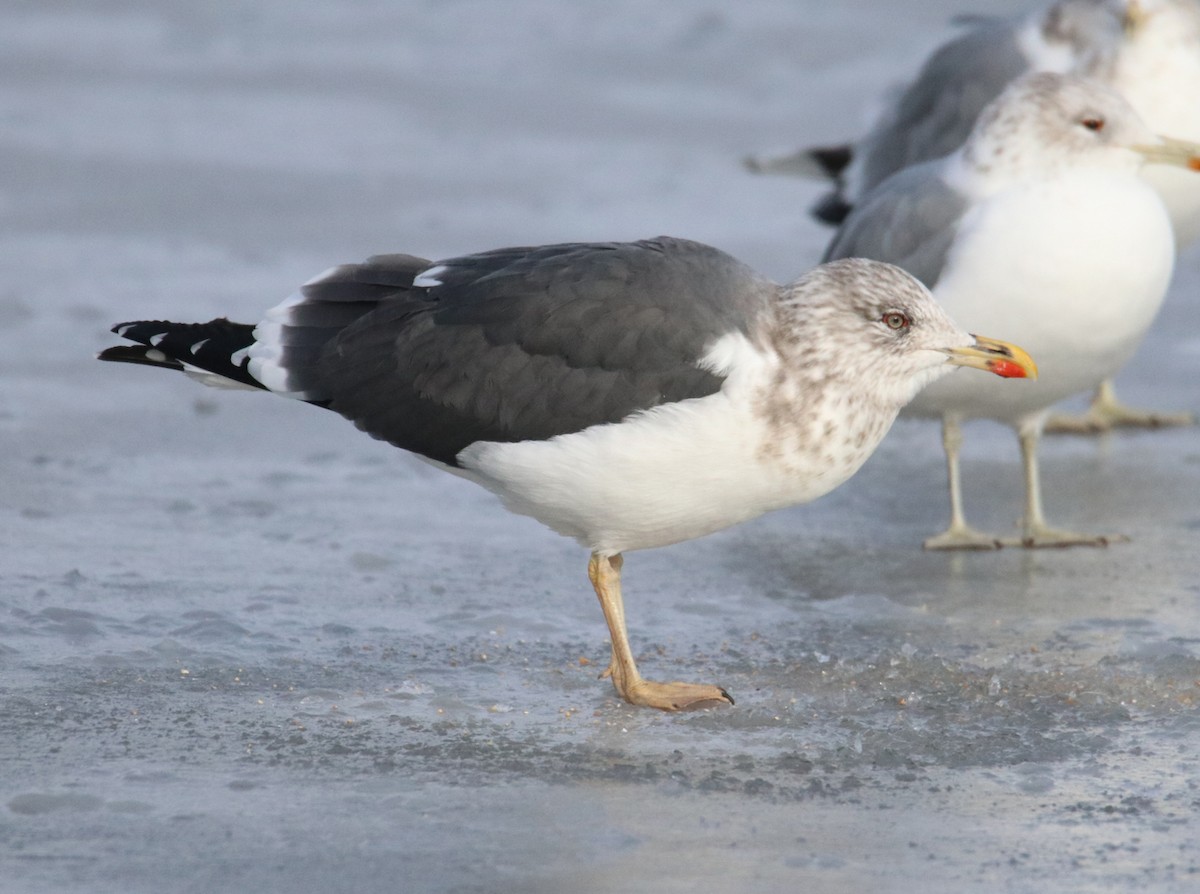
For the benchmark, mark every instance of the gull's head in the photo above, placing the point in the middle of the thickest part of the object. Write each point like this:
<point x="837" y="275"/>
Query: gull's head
<point x="1045" y="124"/>
<point x="873" y="325"/>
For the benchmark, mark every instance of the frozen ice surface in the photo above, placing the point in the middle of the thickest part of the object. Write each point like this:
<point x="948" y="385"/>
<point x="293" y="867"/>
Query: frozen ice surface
<point x="245" y="648"/>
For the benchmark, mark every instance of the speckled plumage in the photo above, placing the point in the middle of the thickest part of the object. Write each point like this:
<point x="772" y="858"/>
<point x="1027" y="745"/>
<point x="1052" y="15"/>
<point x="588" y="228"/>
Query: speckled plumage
<point x="628" y="395"/>
<point x="505" y="361"/>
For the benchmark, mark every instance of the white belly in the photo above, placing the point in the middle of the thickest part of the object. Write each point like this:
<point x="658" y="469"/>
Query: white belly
<point x="1074" y="273"/>
<point x="672" y="474"/>
<point x="1159" y="80"/>
<point x="687" y="469"/>
<point x="1180" y="192"/>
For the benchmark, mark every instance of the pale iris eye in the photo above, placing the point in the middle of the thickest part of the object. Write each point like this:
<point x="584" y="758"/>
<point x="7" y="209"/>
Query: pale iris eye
<point x="1093" y="123"/>
<point x="893" y="319"/>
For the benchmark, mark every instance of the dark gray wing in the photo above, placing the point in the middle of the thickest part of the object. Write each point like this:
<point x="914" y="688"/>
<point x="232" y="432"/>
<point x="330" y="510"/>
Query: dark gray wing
<point x="909" y="220"/>
<point x="294" y="335"/>
<point x="299" y="330"/>
<point x="936" y="112"/>
<point x="529" y="343"/>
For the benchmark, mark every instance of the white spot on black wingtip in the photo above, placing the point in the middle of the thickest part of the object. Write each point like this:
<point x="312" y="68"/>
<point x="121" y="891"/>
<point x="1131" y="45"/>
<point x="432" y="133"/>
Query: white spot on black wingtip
<point x="237" y="357"/>
<point x="155" y="355"/>
<point x="198" y="345"/>
<point x="215" y="380"/>
<point x="121" y="330"/>
<point x="156" y="340"/>
<point x="428" y="279"/>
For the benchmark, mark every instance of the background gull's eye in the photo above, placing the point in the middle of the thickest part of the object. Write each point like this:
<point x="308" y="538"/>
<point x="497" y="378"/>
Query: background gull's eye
<point x="893" y="319"/>
<point x="1093" y="123"/>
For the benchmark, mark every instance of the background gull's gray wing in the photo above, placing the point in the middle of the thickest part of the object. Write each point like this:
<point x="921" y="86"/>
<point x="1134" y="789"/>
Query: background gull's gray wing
<point x="909" y="220"/>
<point x="934" y="115"/>
<point x="975" y="19"/>
<point x="927" y="119"/>
<point x="529" y="343"/>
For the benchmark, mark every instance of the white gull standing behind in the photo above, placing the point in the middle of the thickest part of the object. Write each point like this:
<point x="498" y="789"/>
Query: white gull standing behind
<point x="1041" y="224"/>
<point x="934" y="114"/>
<point x="1157" y="68"/>
<point x="1147" y="50"/>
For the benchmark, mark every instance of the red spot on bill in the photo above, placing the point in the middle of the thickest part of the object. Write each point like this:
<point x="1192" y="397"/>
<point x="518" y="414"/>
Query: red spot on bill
<point x="1008" y="369"/>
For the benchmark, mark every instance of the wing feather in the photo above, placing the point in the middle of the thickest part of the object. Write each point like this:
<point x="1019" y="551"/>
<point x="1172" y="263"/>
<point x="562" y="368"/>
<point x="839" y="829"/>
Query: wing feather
<point x="529" y="343"/>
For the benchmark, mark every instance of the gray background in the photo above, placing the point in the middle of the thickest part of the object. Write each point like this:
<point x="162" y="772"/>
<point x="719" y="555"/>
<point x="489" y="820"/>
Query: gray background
<point x="243" y="647"/>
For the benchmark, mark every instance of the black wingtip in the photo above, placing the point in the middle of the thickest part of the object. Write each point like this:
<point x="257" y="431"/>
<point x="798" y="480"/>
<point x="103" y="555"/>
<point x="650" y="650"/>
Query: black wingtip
<point x="216" y="347"/>
<point x="135" y="330"/>
<point x="832" y="209"/>
<point x="139" y="354"/>
<point x="833" y="159"/>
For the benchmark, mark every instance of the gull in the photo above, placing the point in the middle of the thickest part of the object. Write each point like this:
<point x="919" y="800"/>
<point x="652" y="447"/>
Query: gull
<point x="1147" y="50"/>
<point x="1156" y="68"/>
<point x="934" y="115"/>
<point x="1040" y="223"/>
<point x="627" y="395"/>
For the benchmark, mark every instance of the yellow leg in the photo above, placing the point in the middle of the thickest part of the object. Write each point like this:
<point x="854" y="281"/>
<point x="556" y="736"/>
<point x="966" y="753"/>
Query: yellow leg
<point x="605" y="574"/>
<point x="1036" y="533"/>
<point x="1107" y="412"/>
<point x="959" y="535"/>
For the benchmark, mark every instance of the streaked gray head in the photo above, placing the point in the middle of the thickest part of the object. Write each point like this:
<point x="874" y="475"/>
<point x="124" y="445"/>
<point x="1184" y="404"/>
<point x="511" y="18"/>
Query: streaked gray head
<point x="869" y="324"/>
<point x="1044" y="123"/>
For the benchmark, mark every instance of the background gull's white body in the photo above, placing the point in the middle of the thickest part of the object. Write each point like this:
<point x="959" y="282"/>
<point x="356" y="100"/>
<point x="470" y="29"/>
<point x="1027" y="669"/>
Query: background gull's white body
<point x="1042" y="220"/>
<point x="1075" y="269"/>
<point x="1158" y="72"/>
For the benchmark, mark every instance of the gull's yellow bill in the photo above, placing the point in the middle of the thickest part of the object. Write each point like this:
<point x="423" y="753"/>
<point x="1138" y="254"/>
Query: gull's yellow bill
<point x="995" y="356"/>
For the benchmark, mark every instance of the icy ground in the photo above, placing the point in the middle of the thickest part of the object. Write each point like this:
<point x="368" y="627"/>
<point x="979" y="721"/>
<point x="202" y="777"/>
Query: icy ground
<point x="245" y="648"/>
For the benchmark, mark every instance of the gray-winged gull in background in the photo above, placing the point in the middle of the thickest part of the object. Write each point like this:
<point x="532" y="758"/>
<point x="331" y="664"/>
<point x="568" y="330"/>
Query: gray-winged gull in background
<point x="934" y="115"/>
<point x="1041" y="223"/>
<point x="1157" y="68"/>
<point x="629" y="395"/>
<point x="1147" y="50"/>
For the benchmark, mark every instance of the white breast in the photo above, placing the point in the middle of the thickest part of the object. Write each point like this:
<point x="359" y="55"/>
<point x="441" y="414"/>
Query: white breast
<point x="1159" y="75"/>
<point x="1073" y="270"/>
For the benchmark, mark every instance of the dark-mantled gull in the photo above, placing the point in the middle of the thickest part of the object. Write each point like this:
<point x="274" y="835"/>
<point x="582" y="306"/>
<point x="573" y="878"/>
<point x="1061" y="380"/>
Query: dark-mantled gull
<point x="1041" y="224"/>
<point x="628" y="395"/>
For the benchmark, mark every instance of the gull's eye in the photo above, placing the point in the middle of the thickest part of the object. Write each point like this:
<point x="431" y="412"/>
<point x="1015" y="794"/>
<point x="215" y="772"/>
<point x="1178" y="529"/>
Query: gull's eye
<point x="1093" y="123"/>
<point x="893" y="319"/>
